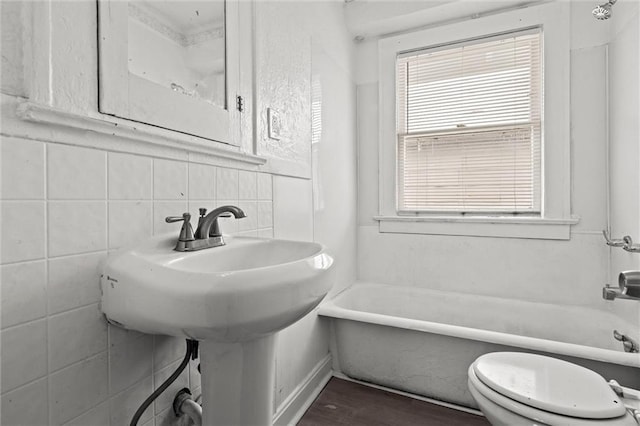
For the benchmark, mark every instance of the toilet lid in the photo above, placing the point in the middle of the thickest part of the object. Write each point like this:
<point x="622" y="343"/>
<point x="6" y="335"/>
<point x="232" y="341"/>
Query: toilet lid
<point x="549" y="384"/>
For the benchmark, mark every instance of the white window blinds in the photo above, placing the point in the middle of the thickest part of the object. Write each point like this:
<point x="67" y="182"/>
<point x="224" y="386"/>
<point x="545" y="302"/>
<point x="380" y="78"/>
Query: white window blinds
<point x="468" y="125"/>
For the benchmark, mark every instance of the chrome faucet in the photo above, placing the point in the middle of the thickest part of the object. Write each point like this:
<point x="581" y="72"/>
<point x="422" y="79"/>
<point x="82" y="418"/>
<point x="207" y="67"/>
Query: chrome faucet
<point x="629" y="287"/>
<point x="628" y="343"/>
<point x="207" y="233"/>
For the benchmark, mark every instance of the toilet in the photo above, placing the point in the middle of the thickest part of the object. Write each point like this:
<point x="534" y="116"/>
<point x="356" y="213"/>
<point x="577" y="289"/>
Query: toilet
<point x="513" y="388"/>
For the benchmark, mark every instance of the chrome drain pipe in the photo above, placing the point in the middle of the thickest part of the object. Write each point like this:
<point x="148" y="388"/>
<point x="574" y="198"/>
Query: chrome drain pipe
<point x="183" y="404"/>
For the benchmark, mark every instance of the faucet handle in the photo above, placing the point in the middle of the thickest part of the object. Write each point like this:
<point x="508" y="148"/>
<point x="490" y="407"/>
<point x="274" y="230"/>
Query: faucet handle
<point x="171" y="219"/>
<point x="202" y="211"/>
<point x="186" y="233"/>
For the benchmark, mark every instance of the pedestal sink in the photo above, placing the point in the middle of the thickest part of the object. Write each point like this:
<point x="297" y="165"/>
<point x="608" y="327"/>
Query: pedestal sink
<point x="233" y="299"/>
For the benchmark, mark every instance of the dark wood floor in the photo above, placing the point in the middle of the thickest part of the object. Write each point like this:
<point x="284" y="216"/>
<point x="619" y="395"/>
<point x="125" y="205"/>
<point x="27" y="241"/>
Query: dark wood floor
<point x="346" y="403"/>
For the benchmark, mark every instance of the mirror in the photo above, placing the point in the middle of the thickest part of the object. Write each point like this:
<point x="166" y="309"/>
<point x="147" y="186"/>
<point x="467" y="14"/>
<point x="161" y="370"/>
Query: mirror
<point x="179" y="45"/>
<point x="173" y="64"/>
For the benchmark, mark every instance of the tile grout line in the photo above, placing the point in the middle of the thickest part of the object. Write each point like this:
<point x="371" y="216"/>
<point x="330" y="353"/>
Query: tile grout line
<point x="46" y="273"/>
<point x="109" y="385"/>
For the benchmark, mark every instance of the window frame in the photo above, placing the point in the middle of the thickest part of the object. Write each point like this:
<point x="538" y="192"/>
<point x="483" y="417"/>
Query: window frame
<point x="554" y="220"/>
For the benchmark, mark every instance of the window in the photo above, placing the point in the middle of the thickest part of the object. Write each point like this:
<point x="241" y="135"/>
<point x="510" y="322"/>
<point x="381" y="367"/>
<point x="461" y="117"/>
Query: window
<point x="472" y="146"/>
<point x="468" y="126"/>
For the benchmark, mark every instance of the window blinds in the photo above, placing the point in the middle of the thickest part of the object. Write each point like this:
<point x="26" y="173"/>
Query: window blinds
<point x="468" y="124"/>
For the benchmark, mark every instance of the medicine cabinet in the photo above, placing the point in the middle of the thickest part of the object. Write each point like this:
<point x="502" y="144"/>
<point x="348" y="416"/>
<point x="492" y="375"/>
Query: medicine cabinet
<point x="171" y="64"/>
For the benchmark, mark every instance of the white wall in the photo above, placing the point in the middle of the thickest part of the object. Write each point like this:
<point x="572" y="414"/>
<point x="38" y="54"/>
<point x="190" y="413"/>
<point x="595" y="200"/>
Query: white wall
<point x="624" y="133"/>
<point x="65" y="206"/>
<point x="565" y="272"/>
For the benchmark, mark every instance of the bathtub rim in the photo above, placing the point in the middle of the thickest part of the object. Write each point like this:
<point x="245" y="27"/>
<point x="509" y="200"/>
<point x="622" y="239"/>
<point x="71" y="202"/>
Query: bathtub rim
<point x="329" y="308"/>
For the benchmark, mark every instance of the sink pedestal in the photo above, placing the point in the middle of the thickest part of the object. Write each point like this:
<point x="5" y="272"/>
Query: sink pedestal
<point x="237" y="382"/>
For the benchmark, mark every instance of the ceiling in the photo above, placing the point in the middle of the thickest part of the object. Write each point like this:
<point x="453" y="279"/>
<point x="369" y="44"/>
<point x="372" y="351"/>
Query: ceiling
<point x="374" y="18"/>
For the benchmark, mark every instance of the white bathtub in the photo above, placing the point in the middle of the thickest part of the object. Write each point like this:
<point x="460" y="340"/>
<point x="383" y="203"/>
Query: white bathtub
<point x="423" y="341"/>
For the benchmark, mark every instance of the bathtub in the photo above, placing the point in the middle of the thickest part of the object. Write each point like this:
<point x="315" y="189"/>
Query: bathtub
<point x="422" y="341"/>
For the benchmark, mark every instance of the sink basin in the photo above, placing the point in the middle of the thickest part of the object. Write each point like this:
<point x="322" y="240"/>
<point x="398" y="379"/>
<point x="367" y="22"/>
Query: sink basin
<point x="247" y="289"/>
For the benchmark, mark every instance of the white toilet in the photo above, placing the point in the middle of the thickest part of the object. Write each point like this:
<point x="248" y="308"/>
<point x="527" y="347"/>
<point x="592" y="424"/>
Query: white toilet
<point x="514" y="388"/>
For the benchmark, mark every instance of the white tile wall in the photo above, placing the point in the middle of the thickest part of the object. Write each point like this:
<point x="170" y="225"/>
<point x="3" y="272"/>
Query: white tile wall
<point x="22" y="169"/>
<point x="227" y="184"/>
<point x="77" y="388"/>
<point x="26" y="405"/>
<point x="264" y="187"/>
<point x="202" y="182"/>
<point x="23" y="231"/>
<point x="130" y="177"/>
<point x="75" y="335"/>
<point x="130" y="357"/>
<point x="73" y="281"/>
<point x="125" y="404"/>
<point x="24" y="354"/>
<point x="167" y="350"/>
<point x="75" y="173"/>
<point x="129" y="222"/>
<point x="96" y="416"/>
<point x="250" y="222"/>
<point x="77" y="227"/>
<point x="63" y="208"/>
<point x="169" y="180"/>
<point x="23" y="294"/>
<point x="247" y="185"/>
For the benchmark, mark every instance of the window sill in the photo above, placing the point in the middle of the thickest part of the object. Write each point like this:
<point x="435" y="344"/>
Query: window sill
<point x="498" y="227"/>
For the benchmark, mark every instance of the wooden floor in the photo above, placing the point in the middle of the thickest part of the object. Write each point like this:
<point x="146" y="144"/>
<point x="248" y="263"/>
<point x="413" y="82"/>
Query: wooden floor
<point x="346" y="403"/>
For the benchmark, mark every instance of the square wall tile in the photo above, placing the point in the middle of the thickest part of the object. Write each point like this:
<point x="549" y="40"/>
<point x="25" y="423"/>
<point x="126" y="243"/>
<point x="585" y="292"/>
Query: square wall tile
<point x="22" y="169"/>
<point x="265" y="187"/>
<point x="169" y="180"/>
<point x="74" y="281"/>
<point x="167" y="350"/>
<point x="125" y="404"/>
<point x="24" y="354"/>
<point x="248" y="189"/>
<point x="250" y="222"/>
<point x="130" y="177"/>
<point x="130" y="222"/>
<point x="25" y="406"/>
<point x="22" y="230"/>
<point x="265" y="214"/>
<point x="130" y="357"/>
<point x="98" y="416"/>
<point x="75" y="173"/>
<point x="23" y="294"/>
<point x="77" y="227"/>
<point x="78" y="388"/>
<point x="163" y="209"/>
<point x="227" y="184"/>
<point x="76" y="335"/>
<point x="202" y="182"/>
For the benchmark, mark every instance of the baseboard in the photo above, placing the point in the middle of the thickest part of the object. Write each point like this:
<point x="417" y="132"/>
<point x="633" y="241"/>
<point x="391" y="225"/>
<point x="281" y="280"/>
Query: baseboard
<point x="293" y="408"/>
<point x="411" y="395"/>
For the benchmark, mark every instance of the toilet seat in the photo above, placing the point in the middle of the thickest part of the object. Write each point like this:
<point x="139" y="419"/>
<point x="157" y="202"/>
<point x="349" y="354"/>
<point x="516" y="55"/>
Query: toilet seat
<point x="534" y="414"/>
<point x="549" y="384"/>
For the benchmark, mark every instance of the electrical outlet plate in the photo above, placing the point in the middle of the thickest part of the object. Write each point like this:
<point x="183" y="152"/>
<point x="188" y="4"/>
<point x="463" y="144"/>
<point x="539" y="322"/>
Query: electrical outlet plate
<point x="275" y="125"/>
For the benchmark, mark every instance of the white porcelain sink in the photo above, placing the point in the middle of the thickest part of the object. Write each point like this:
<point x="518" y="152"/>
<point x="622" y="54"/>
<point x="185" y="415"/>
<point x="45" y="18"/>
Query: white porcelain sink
<point x="234" y="299"/>
<point x="249" y="288"/>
